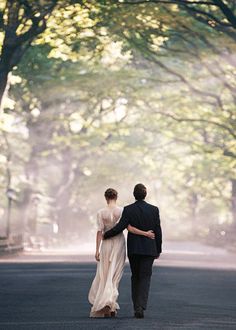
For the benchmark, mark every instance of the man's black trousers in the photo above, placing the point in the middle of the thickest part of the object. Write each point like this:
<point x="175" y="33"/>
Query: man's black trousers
<point x="141" y="269"/>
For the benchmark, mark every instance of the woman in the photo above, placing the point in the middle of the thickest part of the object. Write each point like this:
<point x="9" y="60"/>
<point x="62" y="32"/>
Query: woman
<point x="111" y="256"/>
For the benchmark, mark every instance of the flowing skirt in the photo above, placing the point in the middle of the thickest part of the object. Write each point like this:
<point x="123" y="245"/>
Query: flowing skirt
<point x="104" y="289"/>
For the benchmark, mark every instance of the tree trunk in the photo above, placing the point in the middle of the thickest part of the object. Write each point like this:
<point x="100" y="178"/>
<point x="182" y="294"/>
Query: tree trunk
<point x="233" y="202"/>
<point x="193" y="201"/>
<point x="3" y="84"/>
<point x="64" y="194"/>
<point x="6" y="64"/>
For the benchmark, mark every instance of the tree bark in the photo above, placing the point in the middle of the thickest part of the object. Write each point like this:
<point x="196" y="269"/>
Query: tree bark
<point x="233" y="201"/>
<point x="3" y="85"/>
<point x="193" y="201"/>
<point x="5" y="68"/>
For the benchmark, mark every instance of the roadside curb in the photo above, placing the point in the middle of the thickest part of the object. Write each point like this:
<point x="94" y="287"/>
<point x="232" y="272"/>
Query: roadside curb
<point x="6" y="248"/>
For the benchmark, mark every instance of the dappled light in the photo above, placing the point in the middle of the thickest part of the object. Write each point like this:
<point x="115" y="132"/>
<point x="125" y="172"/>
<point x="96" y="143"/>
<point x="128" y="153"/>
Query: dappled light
<point x="105" y="94"/>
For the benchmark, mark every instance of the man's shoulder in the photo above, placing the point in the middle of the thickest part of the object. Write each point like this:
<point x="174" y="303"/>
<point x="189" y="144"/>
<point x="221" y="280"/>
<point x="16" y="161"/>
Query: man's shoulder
<point x="144" y="203"/>
<point x="135" y="204"/>
<point x="129" y="206"/>
<point x="154" y="207"/>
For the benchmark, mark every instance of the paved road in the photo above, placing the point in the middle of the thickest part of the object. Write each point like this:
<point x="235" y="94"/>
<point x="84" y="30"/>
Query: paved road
<point x="53" y="295"/>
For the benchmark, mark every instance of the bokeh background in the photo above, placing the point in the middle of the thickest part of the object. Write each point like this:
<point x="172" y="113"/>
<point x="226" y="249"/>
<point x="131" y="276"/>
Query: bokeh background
<point x="99" y="94"/>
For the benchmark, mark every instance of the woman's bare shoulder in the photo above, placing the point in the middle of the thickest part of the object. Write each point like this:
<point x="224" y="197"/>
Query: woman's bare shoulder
<point x="119" y="209"/>
<point x="102" y="210"/>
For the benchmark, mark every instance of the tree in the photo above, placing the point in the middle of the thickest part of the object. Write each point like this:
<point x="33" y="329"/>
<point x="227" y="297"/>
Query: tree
<point x="21" y="22"/>
<point x="193" y="29"/>
<point x="164" y="109"/>
<point x="217" y="14"/>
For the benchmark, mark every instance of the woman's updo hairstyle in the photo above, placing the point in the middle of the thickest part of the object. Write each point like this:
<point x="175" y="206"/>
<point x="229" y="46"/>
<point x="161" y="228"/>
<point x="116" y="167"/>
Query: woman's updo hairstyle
<point x="111" y="193"/>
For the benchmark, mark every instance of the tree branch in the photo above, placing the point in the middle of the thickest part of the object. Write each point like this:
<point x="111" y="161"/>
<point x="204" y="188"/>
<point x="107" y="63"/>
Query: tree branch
<point x="199" y="120"/>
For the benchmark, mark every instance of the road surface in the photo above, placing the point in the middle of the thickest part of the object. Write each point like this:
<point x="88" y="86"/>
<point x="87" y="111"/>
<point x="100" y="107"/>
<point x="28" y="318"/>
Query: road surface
<point x="49" y="291"/>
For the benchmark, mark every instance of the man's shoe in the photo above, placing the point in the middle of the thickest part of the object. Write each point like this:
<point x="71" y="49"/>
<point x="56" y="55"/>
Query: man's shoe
<point x="139" y="313"/>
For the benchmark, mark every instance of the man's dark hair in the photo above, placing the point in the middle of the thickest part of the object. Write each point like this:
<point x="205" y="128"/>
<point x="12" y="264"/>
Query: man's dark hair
<point x="140" y="192"/>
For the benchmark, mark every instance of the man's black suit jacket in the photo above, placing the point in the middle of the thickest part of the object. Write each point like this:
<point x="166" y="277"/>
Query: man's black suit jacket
<point x="143" y="216"/>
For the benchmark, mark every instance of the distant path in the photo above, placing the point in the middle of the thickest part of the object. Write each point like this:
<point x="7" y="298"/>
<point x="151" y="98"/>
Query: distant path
<point x="175" y="254"/>
<point x="38" y="294"/>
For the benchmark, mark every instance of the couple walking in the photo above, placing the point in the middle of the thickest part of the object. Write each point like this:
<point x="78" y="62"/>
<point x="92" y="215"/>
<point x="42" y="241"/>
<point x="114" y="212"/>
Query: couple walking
<point x="143" y="245"/>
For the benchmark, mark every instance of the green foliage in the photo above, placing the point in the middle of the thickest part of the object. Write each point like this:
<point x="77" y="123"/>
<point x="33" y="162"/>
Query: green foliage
<point x="110" y="94"/>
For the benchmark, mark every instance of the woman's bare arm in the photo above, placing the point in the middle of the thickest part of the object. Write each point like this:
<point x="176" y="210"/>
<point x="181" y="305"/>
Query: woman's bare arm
<point x="136" y="231"/>
<point x="98" y="243"/>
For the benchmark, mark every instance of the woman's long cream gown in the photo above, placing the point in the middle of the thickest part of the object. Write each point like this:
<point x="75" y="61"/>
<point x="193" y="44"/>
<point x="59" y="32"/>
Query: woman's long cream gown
<point x="104" y="289"/>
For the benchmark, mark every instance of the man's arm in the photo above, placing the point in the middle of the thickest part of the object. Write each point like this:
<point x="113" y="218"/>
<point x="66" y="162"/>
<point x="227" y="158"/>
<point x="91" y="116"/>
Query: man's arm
<point x="118" y="228"/>
<point x="158" y="234"/>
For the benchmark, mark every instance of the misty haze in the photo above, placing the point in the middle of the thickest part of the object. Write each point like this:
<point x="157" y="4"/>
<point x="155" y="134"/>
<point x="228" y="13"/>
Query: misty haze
<point x="109" y="94"/>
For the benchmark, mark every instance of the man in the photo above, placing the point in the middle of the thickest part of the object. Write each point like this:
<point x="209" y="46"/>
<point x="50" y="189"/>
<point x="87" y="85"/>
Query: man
<point x="141" y="250"/>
